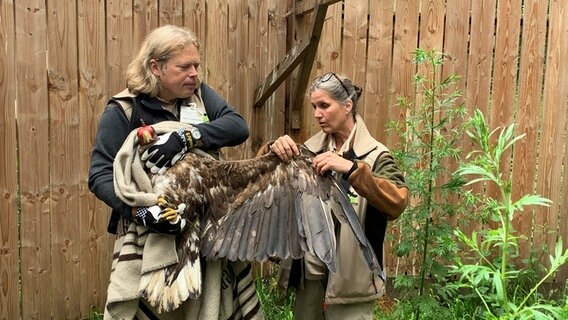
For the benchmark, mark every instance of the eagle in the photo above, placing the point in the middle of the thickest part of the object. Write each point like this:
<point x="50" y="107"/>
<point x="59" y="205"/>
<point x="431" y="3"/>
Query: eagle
<point x="249" y="210"/>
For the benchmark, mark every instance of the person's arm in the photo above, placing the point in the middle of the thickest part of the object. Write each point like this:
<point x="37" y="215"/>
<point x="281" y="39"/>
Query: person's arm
<point x="111" y="133"/>
<point x="226" y="127"/>
<point x="384" y="188"/>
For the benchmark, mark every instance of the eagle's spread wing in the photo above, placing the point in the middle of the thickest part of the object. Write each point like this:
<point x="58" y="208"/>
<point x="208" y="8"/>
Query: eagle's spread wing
<point x="253" y="210"/>
<point x="281" y="210"/>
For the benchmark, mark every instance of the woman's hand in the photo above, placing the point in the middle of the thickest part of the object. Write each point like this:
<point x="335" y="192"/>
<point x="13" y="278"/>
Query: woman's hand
<point x="331" y="161"/>
<point x="285" y="148"/>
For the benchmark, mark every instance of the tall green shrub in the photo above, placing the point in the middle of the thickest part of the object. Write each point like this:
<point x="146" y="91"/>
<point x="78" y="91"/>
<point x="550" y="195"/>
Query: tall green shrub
<point x="490" y="274"/>
<point x="430" y="146"/>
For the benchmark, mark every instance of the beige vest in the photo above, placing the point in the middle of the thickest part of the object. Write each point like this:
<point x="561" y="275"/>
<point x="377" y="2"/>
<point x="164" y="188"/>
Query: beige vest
<point x="124" y="98"/>
<point x="353" y="282"/>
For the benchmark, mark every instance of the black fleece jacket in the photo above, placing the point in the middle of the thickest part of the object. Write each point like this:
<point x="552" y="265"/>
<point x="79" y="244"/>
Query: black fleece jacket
<point x="226" y="128"/>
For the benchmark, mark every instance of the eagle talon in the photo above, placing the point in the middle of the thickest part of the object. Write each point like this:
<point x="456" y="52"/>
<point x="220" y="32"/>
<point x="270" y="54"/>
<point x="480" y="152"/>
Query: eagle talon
<point x="162" y="217"/>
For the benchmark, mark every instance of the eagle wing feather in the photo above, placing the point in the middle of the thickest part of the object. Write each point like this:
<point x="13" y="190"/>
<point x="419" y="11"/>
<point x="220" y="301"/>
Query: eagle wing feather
<point x="252" y="209"/>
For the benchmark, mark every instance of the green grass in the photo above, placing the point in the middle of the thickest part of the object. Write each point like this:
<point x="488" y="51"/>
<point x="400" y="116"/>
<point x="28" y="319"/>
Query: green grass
<point x="275" y="304"/>
<point x="94" y="314"/>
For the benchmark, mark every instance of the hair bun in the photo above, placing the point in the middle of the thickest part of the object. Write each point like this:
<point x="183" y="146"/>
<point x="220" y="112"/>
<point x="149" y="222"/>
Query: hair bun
<point x="358" y="90"/>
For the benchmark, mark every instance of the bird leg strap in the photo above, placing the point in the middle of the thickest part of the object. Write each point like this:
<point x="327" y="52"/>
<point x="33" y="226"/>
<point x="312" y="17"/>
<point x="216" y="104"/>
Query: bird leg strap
<point x="162" y="217"/>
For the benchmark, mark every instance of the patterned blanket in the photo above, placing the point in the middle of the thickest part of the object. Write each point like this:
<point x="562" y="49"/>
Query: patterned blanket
<point x="140" y="258"/>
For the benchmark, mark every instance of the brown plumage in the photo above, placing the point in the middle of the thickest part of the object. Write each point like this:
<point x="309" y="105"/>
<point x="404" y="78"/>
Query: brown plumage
<point x="251" y="210"/>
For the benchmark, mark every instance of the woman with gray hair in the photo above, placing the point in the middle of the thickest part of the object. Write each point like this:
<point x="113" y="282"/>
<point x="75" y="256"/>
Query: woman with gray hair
<point x="377" y="191"/>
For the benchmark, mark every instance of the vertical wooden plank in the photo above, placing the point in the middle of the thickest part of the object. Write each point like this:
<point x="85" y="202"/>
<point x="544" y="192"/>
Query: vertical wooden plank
<point x="119" y="43"/>
<point x="9" y="252"/>
<point x="33" y="152"/>
<point x="195" y="18"/>
<point x="257" y="69"/>
<point x="96" y="246"/>
<point x="232" y="61"/>
<point x="559" y="22"/>
<point x="481" y="45"/>
<point x="456" y="42"/>
<point x="215" y="71"/>
<point x="171" y="12"/>
<point x="354" y="48"/>
<point x="236" y="40"/>
<point x="220" y="50"/>
<point x="505" y="68"/>
<point x="378" y="100"/>
<point x="405" y="43"/>
<point x="378" y="84"/>
<point x="456" y="38"/>
<point x="550" y="165"/>
<point x="328" y="59"/>
<point x="429" y="34"/>
<point x="431" y="37"/>
<point x="63" y="156"/>
<point x="145" y="18"/>
<point x="432" y="25"/>
<point x="258" y="52"/>
<point x="259" y="48"/>
<point x="243" y="39"/>
<point x="274" y="115"/>
<point x="299" y="26"/>
<point x="529" y="109"/>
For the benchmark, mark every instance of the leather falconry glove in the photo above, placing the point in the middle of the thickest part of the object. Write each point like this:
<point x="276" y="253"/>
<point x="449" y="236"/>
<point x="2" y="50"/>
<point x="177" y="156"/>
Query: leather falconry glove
<point x="169" y="149"/>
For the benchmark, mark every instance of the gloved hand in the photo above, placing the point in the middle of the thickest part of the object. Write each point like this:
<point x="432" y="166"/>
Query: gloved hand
<point x="163" y="217"/>
<point x="163" y="154"/>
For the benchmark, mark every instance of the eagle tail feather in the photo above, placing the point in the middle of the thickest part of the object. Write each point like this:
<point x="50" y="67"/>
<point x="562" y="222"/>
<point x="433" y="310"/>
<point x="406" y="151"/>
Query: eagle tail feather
<point x="168" y="294"/>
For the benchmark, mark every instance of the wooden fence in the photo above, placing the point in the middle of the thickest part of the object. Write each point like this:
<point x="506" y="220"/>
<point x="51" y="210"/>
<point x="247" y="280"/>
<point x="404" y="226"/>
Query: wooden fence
<point x="61" y="60"/>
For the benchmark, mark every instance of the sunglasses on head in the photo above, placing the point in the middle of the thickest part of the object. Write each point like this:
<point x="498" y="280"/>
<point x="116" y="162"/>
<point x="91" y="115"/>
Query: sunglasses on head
<point x="328" y="76"/>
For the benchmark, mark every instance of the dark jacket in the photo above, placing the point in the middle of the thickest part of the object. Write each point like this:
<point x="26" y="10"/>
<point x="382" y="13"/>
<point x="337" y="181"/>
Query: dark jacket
<point x="226" y="127"/>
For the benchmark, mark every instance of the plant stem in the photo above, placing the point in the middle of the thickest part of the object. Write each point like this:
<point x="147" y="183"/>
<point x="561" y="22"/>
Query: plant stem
<point x="481" y="297"/>
<point x="505" y="250"/>
<point x="520" y="307"/>
<point x="430" y="188"/>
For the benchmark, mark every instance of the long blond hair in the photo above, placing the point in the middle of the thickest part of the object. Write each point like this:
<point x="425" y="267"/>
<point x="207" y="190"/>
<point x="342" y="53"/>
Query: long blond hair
<point x="160" y="44"/>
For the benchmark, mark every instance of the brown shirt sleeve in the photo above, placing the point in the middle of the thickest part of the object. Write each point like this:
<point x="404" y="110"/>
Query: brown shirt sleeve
<point x="384" y="188"/>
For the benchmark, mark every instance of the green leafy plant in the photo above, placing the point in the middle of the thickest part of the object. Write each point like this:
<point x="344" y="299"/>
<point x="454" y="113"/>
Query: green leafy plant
<point x="94" y="314"/>
<point x="490" y="273"/>
<point x="429" y="146"/>
<point x="276" y="305"/>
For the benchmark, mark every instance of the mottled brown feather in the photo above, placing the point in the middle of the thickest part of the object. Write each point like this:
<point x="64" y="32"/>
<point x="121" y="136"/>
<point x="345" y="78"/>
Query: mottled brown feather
<point x="259" y="208"/>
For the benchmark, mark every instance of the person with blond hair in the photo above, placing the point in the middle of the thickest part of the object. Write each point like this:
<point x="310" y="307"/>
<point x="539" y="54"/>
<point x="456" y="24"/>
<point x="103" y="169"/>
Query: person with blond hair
<point x="164" y="85"/>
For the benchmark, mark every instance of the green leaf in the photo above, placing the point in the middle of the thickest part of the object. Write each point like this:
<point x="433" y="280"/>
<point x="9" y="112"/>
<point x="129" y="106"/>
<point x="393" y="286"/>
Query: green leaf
<point x="403" y="248"/>
<point x="531" y="200"/>
<point x="498" y="285"/>
<point x="404" y="281"/>
<point x="476" y="170"/>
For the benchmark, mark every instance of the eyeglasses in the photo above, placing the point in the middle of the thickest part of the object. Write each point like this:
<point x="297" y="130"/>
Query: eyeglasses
<point x="327" y="76"/>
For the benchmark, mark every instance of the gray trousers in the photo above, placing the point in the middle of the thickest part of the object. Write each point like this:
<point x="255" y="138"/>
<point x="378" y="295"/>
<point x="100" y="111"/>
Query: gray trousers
<point x="309" y="305"/>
